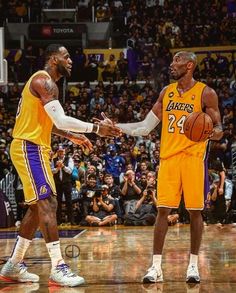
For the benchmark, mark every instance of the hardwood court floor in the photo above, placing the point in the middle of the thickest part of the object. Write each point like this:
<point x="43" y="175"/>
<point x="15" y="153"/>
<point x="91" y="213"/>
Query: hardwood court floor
<point x="114" y="259"/>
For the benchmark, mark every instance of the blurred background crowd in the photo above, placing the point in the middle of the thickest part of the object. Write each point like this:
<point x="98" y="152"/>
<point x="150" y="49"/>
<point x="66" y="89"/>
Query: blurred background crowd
<point x="116" y="183"/>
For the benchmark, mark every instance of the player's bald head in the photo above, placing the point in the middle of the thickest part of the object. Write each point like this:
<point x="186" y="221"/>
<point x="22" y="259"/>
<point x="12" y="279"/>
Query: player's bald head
<point x="188" y="57"/>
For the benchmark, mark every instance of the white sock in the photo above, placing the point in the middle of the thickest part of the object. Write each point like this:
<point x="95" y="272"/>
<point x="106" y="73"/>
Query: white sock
<point x="156" y="260"/>
<point x="54" y="251"/>
<point x="193" y="259"/>
<point x="19" y="249"/>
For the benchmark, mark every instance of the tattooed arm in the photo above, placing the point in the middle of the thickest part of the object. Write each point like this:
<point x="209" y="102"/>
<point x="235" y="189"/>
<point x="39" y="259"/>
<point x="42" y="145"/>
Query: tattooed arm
<point x="44" y="88"/>
<point x="47" y="91"/>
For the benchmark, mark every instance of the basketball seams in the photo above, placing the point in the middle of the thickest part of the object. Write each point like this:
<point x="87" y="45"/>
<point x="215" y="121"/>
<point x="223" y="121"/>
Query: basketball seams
<point x="193" y="125"/>
<point x="198" y="126"/>
<point x="203" y="126"/>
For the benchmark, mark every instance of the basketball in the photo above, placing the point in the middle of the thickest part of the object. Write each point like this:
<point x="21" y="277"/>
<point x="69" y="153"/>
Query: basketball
<point x="198" y="126"/>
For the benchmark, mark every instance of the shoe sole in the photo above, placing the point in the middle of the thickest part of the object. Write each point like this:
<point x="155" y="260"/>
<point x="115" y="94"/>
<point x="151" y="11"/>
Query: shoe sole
<point x="148" y="281"/>
<point x="192" y="280"/>
<point x="52" y="283"/>
<point x="5" y="279"/>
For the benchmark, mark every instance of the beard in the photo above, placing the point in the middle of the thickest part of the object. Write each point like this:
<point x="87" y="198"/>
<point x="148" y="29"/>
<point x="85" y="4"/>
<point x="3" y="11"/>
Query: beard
<point x="177" y="75"/>
<point x="62" y="70"/>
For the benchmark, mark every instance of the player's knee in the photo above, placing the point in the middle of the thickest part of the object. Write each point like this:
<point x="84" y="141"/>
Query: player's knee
<point x="47" y="206"/>
<point x="195" y="213"/>
<point x="163" y="212"/>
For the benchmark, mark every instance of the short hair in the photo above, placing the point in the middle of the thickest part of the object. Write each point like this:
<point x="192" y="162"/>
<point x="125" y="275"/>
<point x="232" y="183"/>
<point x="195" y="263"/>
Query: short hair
<point x="92" y="176"/>
<point x="52" y="50"/>
<point x="189" y="56"/>
<point x="108" y="175"/>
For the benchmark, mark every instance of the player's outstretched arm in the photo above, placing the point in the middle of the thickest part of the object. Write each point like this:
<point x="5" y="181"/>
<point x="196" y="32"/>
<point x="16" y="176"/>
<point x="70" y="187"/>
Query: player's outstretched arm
<point x="210" y="104"/>
<point x="46" y="89"/>
<point x="152" y="119"/>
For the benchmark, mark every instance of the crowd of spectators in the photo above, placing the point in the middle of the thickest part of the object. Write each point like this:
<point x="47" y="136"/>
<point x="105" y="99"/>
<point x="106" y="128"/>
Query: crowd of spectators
<point x="165" y="23"/>
<point x="116" y="182"/>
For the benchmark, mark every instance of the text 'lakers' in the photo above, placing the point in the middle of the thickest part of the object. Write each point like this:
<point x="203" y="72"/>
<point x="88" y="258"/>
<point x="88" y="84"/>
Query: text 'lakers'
<point x="179" y="106"/>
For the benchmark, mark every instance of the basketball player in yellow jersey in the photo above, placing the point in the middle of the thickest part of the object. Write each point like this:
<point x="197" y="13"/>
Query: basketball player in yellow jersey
<point x="183" y="167"/>
<point x="39" y="114"/>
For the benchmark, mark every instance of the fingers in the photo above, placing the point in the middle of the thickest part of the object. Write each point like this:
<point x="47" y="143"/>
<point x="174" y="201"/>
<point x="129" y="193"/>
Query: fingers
<point x="106" y="119"/>
<point x="96" y="120"/>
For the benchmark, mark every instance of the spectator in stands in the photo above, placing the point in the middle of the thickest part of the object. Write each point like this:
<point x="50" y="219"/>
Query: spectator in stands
<point x="62" y="167"/>
<point x="218" y="205"/>
<point x="122" y="64"/>
<point x="114" y="164"/>
<point x="145" y="211"/>
<point x="222" y="65"/>
<point x="96" y="103"/>
<point x="86" y="194"/>
<point x="115" y="193"/>
<point x="102" y="209"/>
<point x="4" y="160"/>
<point x="130" y="191"/>
<point x="143" y="181"/>
<point x="141" y="170"/>
<point x="111" y="71"/>
<point x="102" y="12"/>
<point x="208" y="65"/>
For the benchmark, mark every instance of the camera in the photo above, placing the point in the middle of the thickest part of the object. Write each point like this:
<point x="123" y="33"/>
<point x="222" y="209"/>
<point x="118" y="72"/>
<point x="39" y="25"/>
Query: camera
<point x="149" y="191"/>
<point x="98" y="192"/>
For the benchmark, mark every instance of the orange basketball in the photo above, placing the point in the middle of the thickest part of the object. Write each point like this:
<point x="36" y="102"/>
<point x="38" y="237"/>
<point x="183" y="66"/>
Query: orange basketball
<point x="198" y="126"/>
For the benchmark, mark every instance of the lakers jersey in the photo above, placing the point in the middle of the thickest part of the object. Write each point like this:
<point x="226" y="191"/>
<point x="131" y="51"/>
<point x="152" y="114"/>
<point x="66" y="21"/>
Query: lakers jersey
<point x="175" y="110"/>
<point x="32" y="122"/>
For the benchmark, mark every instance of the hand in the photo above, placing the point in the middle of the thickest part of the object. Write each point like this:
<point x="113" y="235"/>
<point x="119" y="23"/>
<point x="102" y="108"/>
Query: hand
<point x="108" y="130"/>
<point x="145" y="193"/>
<point x="211" y="134"/>
<point x="107" y="127"/>
<point x="105" y="120"/>
<point x="59" y="164"/>
<point x="100" y="198"/>
<point x="220" y="191"/>
<point x="83" y="141"/>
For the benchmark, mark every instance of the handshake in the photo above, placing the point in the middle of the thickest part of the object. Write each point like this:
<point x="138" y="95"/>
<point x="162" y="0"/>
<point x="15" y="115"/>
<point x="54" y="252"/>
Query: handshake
<point x="106" y="127"/>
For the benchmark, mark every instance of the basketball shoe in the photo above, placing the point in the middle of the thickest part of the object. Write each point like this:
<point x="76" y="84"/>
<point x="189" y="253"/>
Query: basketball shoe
<point x="153" y="275"/>
<point x="62" y="275"/>
<point x="192" y="274"/>
<point x="17" y="273"/>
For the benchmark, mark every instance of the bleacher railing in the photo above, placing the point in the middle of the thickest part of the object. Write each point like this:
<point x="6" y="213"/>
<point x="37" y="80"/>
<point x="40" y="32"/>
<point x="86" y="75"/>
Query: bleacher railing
<point x="6" y="185"/>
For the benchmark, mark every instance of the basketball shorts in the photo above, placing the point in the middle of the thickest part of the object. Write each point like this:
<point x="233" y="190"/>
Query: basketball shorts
<point x="32" y="163"/>
<point x="183" y="174"/>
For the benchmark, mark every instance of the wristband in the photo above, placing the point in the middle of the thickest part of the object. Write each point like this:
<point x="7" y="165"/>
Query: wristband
<point x="95" y="128"/>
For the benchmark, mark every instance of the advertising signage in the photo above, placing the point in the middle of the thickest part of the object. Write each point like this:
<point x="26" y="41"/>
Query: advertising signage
<point x="56" y="31"/>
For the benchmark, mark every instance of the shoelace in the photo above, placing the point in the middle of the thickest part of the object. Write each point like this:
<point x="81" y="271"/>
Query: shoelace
<point x="22" y="266"/>
<point x="64" y="268"/>
<point x="192" y="269"/>
<point x="153" y="270"/>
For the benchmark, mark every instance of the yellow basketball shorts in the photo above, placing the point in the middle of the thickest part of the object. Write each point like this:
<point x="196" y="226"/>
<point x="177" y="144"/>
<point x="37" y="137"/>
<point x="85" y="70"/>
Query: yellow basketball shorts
<point x="182" y="174"/>
<point x="32" y="163"/>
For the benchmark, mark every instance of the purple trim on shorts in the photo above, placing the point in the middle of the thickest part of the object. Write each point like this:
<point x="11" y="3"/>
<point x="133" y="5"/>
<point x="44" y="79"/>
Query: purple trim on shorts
<point x="36" y="170"/>
<point x="206" y="176"/>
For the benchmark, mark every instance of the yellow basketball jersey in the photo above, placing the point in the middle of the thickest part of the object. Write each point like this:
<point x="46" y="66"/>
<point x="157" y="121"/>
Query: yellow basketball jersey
<point x="32" y="122"/>
<point x="176" y="108"/>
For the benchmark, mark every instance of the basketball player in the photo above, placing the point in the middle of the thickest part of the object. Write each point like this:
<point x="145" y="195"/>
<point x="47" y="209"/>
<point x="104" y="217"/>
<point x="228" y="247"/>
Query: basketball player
<point x="183" y="167"/>
<point x="39" y="114"/>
